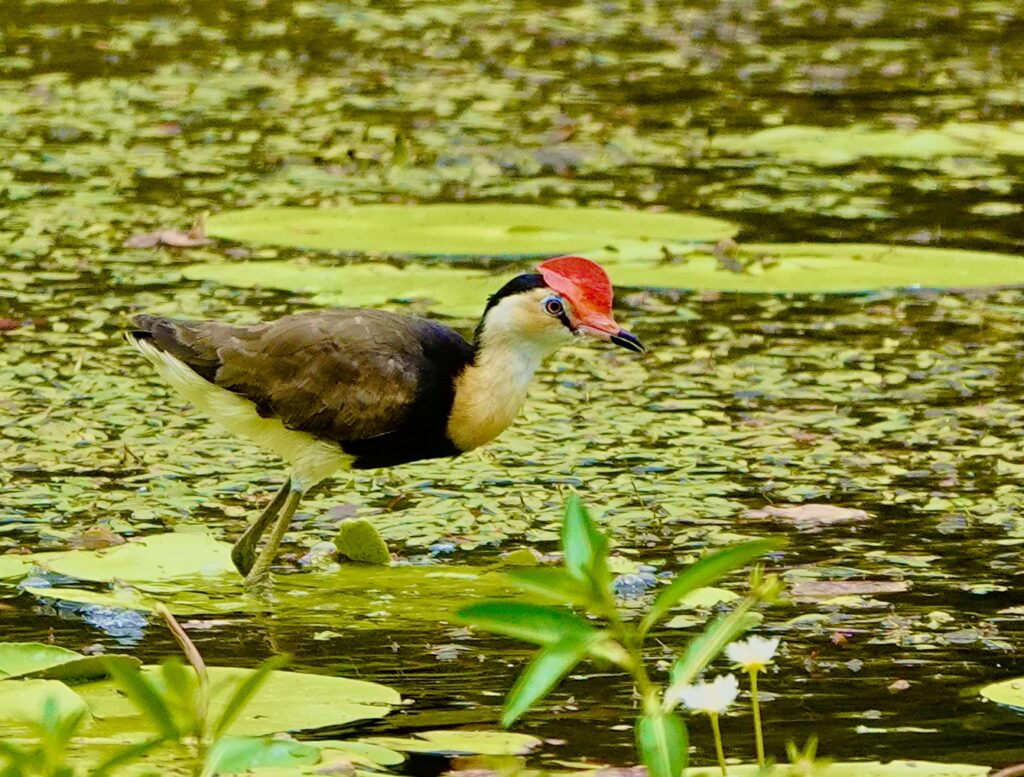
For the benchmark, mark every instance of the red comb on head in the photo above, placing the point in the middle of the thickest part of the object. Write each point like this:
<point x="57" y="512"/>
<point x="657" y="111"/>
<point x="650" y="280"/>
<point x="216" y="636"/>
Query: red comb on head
<point x="583" y="282"/>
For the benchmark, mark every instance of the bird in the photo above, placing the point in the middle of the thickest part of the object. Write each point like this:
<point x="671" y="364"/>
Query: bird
<point x="353" y="388"/>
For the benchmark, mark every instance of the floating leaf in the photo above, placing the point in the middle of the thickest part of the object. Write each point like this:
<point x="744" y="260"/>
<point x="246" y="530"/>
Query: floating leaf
<point x="34" y="659"/>
<point x="22" y="701"/>
<point x="855" y="769"/>
<point x="1008" y="692"/>
<point x="147" y="560"/>
<point x="462" y="229"/>
<point x="828" y="268"/>
<point x="288" y="701"/>
<point x="460" y="742"/>
<point x="231" y="755"/>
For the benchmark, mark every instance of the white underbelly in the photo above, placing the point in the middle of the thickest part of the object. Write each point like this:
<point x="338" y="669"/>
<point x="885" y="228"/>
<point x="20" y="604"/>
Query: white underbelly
<point x="311" y="459"/>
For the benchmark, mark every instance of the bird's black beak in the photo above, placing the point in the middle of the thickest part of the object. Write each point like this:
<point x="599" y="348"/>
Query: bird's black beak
<point x="628" y="341"/>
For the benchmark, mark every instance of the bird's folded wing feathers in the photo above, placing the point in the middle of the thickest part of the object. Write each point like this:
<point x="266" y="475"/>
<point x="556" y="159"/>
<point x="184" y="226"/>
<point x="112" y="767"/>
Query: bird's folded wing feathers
<point x="342" y="374"/>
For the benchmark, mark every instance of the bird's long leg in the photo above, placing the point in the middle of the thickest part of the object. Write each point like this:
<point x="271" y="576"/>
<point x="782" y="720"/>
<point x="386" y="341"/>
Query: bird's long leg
<point x="261" y="568"/>
<point x="243" y="554"/>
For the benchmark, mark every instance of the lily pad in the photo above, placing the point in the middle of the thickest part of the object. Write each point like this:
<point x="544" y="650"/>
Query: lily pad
<point x="1007" y="692"/>
<point x="150" y="559"/>
<point x="22" y="701"/>
<point x="232" y="755"/>
<point x="462" y="230"/>
<point x="34" y="659"/>
<point x="856" y="769"/>
<point x="460" y="742"/>
<point x="831" y="146"/>
<point x="448" y="290"/>
<point x="827" y="268"/>
<point x="771" y="268"/>
<point x="289" y="701"/>
<point x="365" y="597"/>
<point x="703" y="598"/>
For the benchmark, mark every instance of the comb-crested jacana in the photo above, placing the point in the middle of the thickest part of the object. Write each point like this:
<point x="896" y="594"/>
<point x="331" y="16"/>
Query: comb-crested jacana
<point x="352" y="388"/>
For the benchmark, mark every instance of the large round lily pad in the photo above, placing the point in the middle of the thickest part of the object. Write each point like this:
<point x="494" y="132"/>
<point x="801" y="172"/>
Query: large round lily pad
<point x="1008" y="692"/>
<point x="149" y="559"/>
<point x="825" y="268"/>
<point x="461" y="742"/>
<point x="461" y="229"/>
<point x="288" y="701"/>
<point x="448" y="290"/>
<point x="757" y="268"/>
<point x="828" y="146"/>
<point x="34" y="659"/>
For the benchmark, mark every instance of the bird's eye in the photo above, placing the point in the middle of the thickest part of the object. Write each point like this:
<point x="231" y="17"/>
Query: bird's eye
<point x="553" y="306"/>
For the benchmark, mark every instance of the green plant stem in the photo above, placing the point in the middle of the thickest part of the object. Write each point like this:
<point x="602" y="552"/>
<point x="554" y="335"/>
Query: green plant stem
<point x="632" y="641"/>
<point x="758" y="733"/>
<point x="719" y="750"/>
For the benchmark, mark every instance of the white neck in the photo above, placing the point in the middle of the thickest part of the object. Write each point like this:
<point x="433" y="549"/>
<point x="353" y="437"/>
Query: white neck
<point x="490" y="392"/>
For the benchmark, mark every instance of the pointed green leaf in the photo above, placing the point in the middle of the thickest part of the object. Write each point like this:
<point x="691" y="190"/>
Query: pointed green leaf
<point x="705" y="648"/>
<point x="535" y="623"/>
<point x="662" y="742"/>
<point x="584" y="546"/>
<point x="554" y="584"/>
<point x="543" y="673"/>
<point x="705" y="572"/>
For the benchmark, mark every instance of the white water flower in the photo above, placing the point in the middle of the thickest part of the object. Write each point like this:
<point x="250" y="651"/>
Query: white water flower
<point x="713" y="698"/>
<point x="754" y="654"/>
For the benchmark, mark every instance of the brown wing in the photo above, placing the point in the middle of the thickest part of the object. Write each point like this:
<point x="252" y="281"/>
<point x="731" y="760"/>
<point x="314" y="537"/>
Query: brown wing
<point x="341" y="374"/>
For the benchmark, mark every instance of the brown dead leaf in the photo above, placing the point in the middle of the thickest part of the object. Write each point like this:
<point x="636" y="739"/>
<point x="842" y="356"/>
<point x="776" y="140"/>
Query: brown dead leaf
<point x="175" y="238"/>
<point x="9" y="324"/>
<point x="826" y="589"/>
<point x="95" y="538"/>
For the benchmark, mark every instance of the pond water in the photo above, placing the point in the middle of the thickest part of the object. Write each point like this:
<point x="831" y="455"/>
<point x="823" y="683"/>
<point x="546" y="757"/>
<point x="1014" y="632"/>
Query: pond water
<point x="120" y="118"/>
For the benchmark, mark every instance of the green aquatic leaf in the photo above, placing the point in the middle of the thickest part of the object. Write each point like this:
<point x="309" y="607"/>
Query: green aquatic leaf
<point x="359" y="540"/>
<point x="462" y="741"/>
<point x="853" y="769"/>
<point x="448" y="290"/>
<point x="23" y="701"/>
<point x="585" y="549"/>
<point x="462" y="229"/>
<point x="34" y="659"/>
<point x="1007" y="692"/>
<point x="363" y="597"/>
<point x="801" y="268"/>
<point x="831" y="146"/>
<point x="547" y="669"/>
<point x="662" y="742"/>
<point x="287" y="701"/>
<point x="535" y="623"/>
<point x="232" y="755"/>
<point x="683" y="590"/>
<point x="804" y="268"/>
<point x="150" y="559"/>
